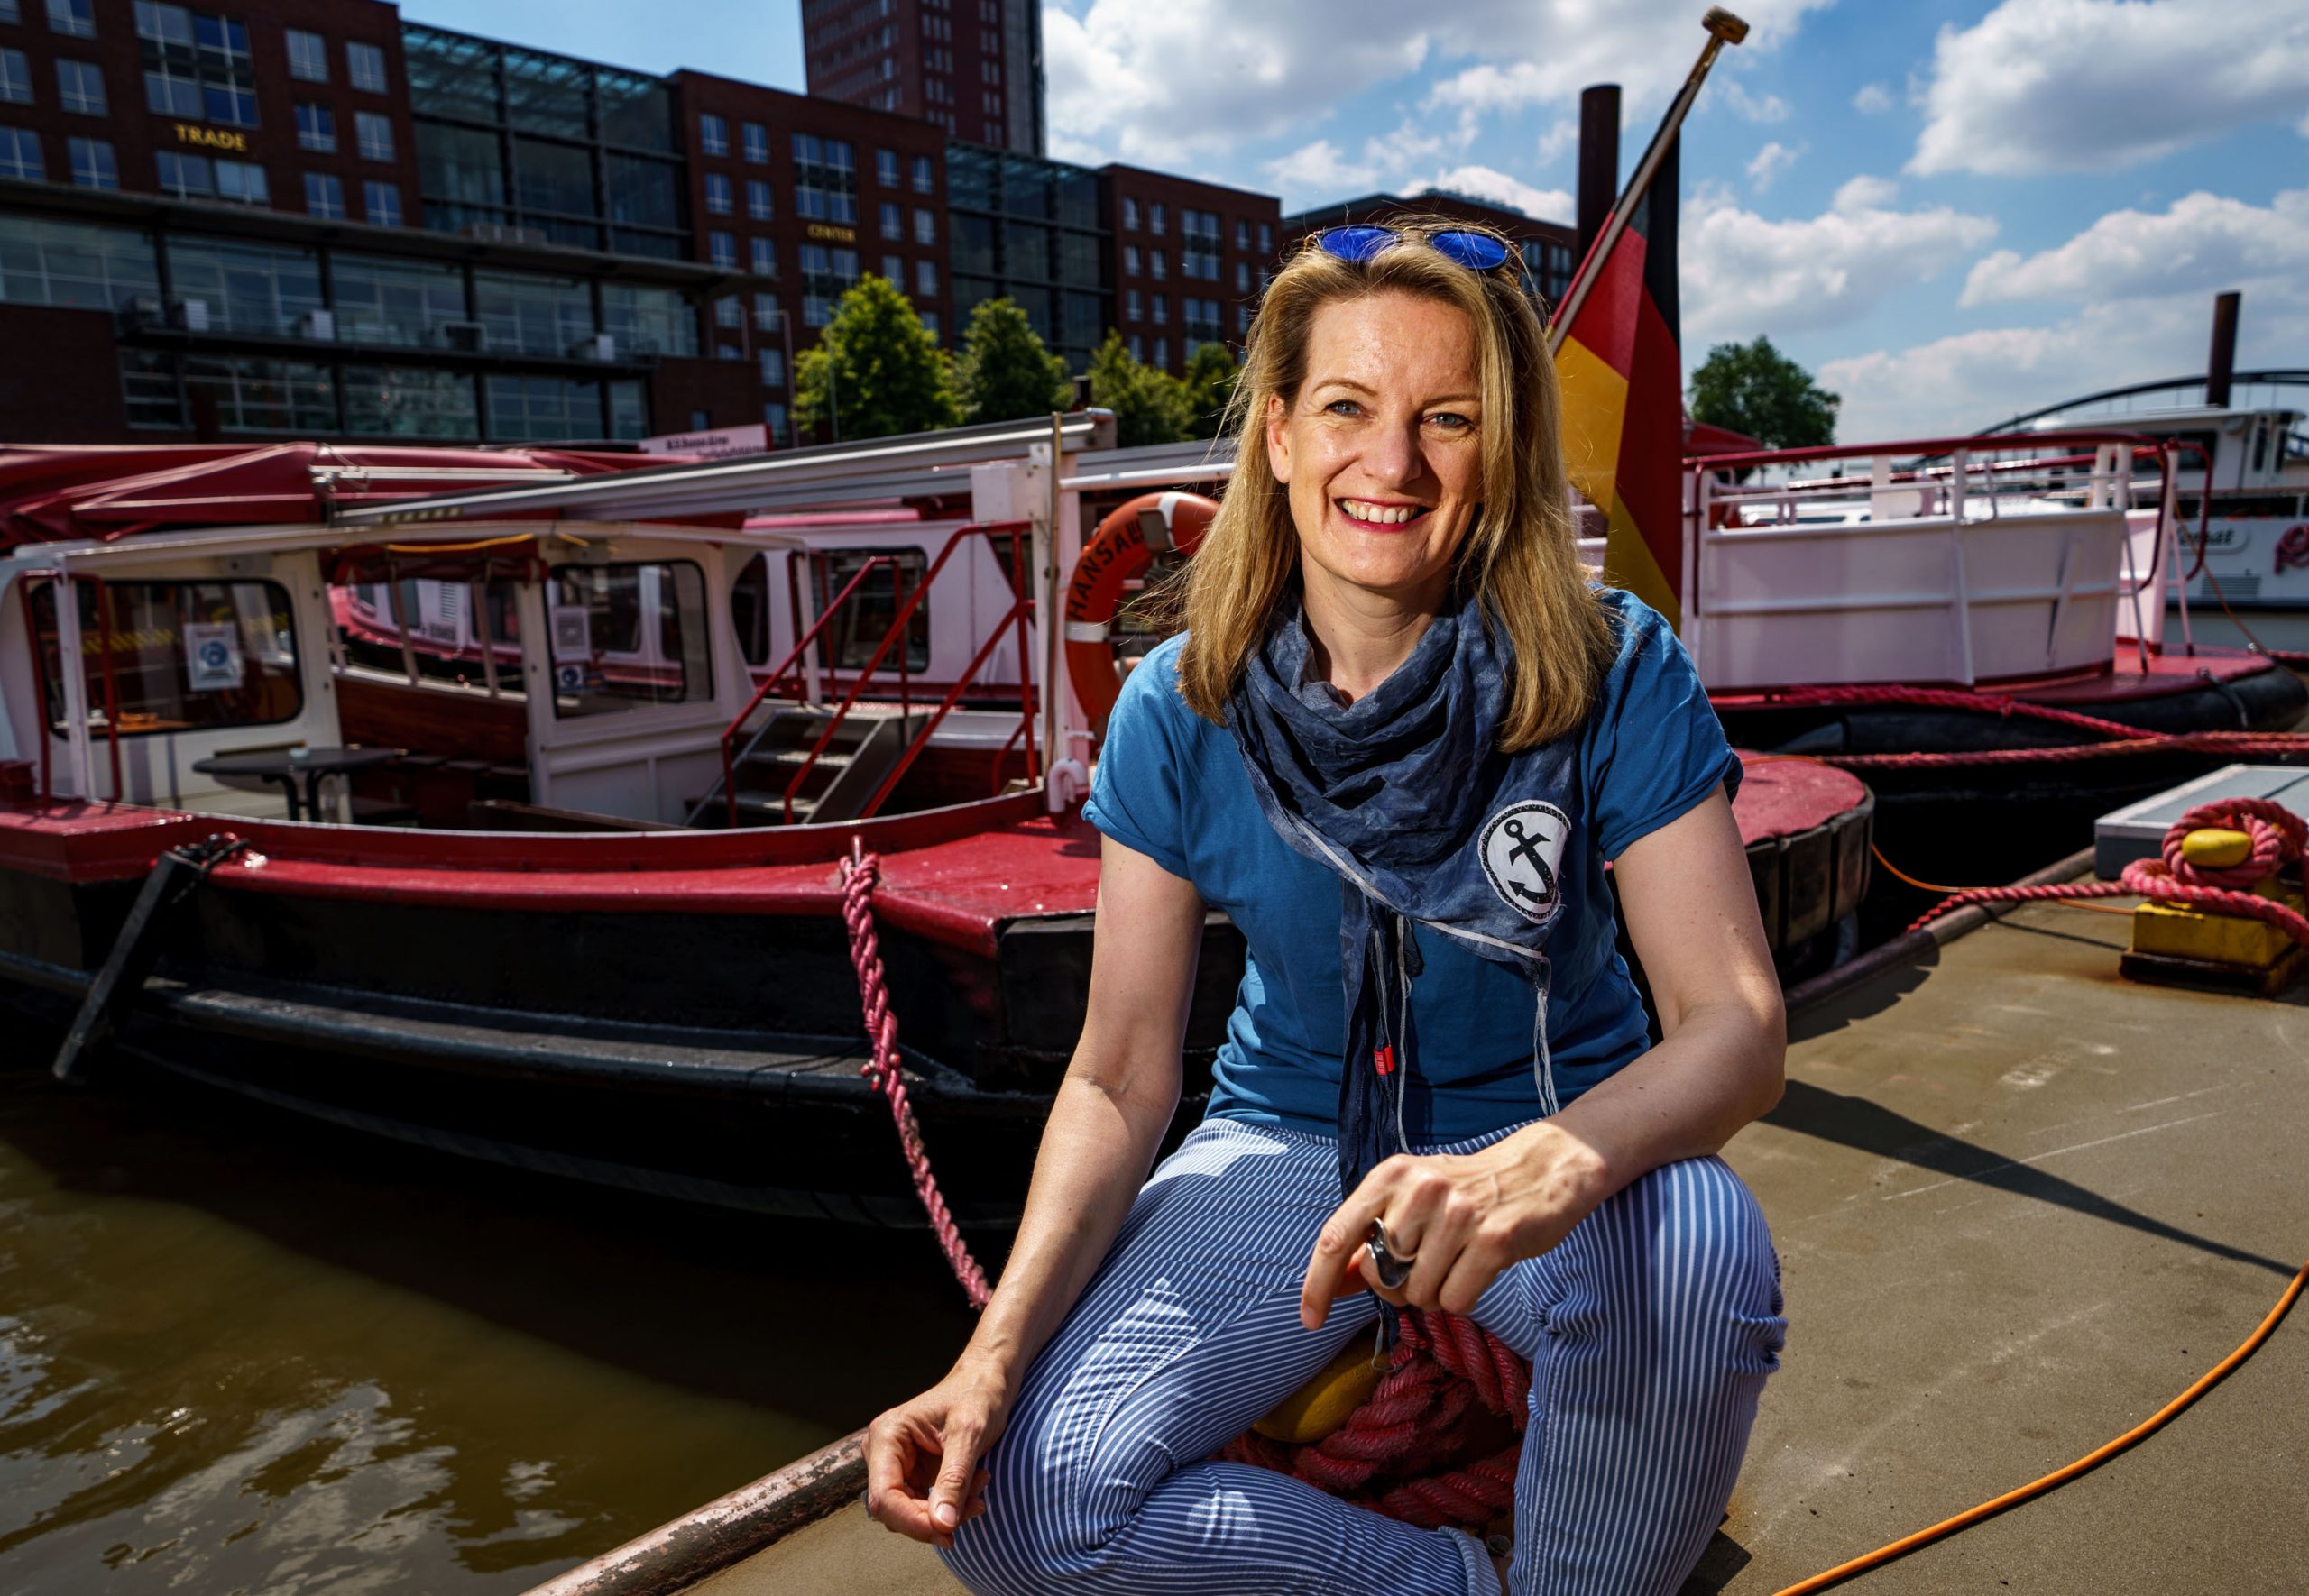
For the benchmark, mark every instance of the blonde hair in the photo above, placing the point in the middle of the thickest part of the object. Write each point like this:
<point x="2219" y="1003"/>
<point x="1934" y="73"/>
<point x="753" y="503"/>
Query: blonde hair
<point x="1521" y="555"/>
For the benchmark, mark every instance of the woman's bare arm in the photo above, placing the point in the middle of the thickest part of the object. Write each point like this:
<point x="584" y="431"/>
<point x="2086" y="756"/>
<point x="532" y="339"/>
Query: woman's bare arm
<point x="1690" y="910"/>
<point x="1106" y="1123"/>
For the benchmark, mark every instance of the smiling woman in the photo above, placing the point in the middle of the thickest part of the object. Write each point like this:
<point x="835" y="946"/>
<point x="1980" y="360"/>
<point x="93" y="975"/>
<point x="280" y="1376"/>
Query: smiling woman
<point x="1398" y="742"/>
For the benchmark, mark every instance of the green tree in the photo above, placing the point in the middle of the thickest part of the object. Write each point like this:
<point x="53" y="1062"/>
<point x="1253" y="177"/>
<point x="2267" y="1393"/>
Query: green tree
<point x="1210" y="378"/>
<point x="1005" y="372"/>
<point x="1755" y="389"/>
<point x="1150" y="406"/>
<point x="876" y="370"/>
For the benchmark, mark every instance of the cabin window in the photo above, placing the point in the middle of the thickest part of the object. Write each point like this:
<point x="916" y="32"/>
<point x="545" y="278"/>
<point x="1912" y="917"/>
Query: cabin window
<point x="446" y="631"/>
<point x="859" y="626"/>
<point x="750" y="610"/>
<point x="184" y="655"/>
<point x="626" y="636"/>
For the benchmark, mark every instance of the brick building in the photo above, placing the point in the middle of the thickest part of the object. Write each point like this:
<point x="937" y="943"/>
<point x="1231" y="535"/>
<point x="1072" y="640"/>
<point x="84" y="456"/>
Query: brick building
<point x="1188" y="261"/>
<point x="973" y="67"/>
<point x="805" y="196"/>
<point x="1547" y="247"/>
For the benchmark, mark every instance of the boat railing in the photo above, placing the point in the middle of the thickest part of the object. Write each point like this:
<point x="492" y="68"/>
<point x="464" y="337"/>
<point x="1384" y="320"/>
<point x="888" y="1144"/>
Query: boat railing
<point x="1020" y="607"/>
<point x="731" y="756"/>
<point x="65" y="583"/>
<point x="1931" y="541"/>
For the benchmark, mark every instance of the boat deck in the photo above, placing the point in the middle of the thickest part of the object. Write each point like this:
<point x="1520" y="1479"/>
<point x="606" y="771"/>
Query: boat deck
<point x="2022" y="1203"/>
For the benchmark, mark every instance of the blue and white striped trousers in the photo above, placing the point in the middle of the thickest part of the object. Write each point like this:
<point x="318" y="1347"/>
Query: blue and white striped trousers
<point x="1651" y="1329"/>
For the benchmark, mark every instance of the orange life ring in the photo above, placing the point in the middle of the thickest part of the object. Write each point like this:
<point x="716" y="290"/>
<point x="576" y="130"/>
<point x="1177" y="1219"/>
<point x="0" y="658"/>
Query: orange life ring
<point x="1124" y="546"/>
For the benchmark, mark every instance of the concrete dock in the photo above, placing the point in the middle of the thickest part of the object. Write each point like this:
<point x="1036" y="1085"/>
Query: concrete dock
<point x="2020" y="1203"/>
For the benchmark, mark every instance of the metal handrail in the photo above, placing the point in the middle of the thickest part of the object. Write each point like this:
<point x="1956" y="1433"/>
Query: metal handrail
<point x="1017" y="612"/>
<point x="899" y="625"/>
<point x="730" y="732"/>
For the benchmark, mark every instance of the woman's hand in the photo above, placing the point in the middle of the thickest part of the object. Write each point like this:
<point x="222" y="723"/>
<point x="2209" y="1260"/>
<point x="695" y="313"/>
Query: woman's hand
<point x="922" y="1478"/>
<point x="1462" y="1217"/>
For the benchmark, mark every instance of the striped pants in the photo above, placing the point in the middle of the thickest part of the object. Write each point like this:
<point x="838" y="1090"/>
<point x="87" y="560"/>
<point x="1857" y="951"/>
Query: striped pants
<point x="1651" y="1329"/>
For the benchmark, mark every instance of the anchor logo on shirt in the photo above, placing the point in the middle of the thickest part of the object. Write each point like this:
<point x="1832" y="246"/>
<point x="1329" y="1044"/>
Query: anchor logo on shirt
<point x="1521" y="849"/>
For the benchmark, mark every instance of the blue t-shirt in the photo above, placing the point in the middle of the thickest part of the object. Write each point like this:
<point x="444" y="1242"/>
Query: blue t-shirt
<point x="1172" y="785"/>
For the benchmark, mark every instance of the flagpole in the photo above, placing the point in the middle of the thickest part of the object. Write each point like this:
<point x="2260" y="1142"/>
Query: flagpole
<point x="1723" y="28"/>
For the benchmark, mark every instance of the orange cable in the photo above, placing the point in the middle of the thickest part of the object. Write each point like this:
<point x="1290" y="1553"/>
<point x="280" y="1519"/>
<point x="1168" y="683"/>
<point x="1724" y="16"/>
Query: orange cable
<point x="2062" y="1476"/>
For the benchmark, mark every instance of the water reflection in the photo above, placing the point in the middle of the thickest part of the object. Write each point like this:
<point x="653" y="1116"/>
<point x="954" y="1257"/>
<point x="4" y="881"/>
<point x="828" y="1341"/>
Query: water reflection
<point x="240" y="1353"/>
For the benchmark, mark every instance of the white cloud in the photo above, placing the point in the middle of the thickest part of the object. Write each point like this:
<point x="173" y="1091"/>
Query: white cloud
<point x="1865" y="193"/>
<point x="1562" y="134"/>
<point x="1748" y="108"/>
<point x="1772" y="160"/>
<point x="1482" y="182"/>
<point x="1744" y="274"/>
<point x="1871" y="98"/>
<point x="2044" y="86"/>
<point x="1319" y="168"/>
<point x="2201" y="242"/>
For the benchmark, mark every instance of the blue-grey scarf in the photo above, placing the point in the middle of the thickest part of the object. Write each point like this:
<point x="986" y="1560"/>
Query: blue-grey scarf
<point x="1405" y="796"/>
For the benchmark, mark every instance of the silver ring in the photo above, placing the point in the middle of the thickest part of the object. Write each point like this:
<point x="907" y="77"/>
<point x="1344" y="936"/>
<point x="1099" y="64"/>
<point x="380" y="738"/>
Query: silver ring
<point x="1390" y="1269"/>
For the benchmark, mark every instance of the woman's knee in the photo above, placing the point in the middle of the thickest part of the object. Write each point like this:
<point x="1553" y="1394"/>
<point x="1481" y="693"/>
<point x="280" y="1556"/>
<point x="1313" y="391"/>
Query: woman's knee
<point x="1683" y="1251"/>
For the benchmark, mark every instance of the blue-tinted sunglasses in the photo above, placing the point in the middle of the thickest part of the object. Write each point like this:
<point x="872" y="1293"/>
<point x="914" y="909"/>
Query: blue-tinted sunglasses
<point x="1477" y="251"/>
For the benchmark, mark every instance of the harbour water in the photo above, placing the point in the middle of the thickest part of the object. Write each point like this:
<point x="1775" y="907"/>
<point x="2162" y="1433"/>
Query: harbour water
<point x="242" y="1353"/>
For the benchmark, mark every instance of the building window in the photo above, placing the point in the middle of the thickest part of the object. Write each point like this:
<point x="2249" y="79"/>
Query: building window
<point x="381" y="202"/>
<point x="923" y="181"/>
<point x="1130" y="260"/>
<point x="893" y="220"/>
<point x="717" y="194"/>
<point x="317" y="129"/>
<point x="894" y="268"/>
<point x="826" y="180"/>
<point x="885" y="167"/>
<point x="1137" y="347"/>
<point x="15" y="78"/>
<point x="243" y="287"/>
<point x="1162" y="308"/>
<point x="1242" y="277"/>
<point x="728" y="311"/>
<point x="1266" y="239"/>
<point x="1162" y="353"/>
<point x="757" y="205"/>
<point x="307" y="56"/>
<point x="756" y="139"/>
<point x="1242" y="320"/>
<point x="925" y="279"/>
<point x="197" y="176"/>
<point x="364" y="67"/>
<point x="925" y="227"/>
<point x="373" y="133"/>
<point x="196" y="65"/>
<point x="325" y="195"/>
<point x="766" y="312"/>
<point x="93" y="166"/>
<point x="930" y="325"/>
<point x="765" y="256"/>
<point x="773" y="416"/>
<point x="1161" y="261"/>
<point x="69" y="263"/>
<point x="388" y="402"/>
<point x="1158" y="220"/>
<point x="723" y="249"/>
<point x="1134" y="308"/>
<point x="19" y="155"/>
<point x="81" y="86"/>
<point x="773" y="367"/>
<point x="649" y="321"/>
<point x="713" y="133"/>
<point x="73" y="19"/>
<point x="8" y="11"/>
<point x="1242" y="233"/>
<point x="1130" y="213"/>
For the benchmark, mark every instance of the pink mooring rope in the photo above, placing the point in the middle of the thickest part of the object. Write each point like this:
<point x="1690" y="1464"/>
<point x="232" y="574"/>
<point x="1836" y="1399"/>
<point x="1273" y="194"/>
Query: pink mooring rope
<point x="859" y="873"/>
<point x="2278" y="836"/>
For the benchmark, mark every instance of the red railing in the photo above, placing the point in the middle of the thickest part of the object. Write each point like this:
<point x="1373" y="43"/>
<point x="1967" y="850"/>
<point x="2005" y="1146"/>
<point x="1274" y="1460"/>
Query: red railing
<point x="40" y="669"/>
<point x="1020" y="607"/>
<point x="769" y="683"/>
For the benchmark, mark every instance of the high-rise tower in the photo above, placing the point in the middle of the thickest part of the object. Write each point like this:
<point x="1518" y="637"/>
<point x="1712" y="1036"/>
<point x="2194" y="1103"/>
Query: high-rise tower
<point x="972" y="66"/>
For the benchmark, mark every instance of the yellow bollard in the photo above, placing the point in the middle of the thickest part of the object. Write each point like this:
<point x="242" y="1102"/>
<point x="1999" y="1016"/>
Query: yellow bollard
<point x="1320" y="1406"/>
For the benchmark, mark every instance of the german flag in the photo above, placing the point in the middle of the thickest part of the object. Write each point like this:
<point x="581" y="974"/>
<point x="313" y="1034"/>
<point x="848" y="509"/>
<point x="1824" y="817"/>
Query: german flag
<point x="1623" y="379"/>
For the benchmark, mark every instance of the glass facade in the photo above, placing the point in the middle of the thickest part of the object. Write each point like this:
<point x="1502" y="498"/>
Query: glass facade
<point x="572" y="152"/>
<point x="1034" y="230"/>
<point x="75" y="265"/>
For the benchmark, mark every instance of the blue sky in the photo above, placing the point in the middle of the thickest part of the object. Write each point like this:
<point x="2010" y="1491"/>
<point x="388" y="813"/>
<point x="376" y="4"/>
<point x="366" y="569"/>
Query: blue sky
<point x="1951" y="209"/>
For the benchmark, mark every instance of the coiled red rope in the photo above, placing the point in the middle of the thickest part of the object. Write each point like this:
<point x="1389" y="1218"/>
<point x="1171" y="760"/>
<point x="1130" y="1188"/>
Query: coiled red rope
<point x="2278" y="836"/>
<point x="860" y="873"/>
<point x="2120" y="740"/>
<point x="1426" y="1446"/>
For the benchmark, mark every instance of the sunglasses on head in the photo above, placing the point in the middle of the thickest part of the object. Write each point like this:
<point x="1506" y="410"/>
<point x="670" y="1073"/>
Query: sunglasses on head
<point x="1477" y="251"/>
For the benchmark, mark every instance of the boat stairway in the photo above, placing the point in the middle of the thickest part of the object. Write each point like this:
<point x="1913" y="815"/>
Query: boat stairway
<point x="838" y="781"/>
